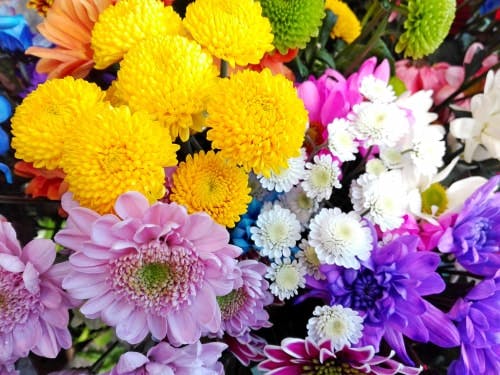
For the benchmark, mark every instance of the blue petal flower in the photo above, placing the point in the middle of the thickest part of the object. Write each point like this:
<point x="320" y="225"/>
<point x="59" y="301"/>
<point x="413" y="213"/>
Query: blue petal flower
<point x="5" y="109"/>
<point x="15" y="34"/>
<point x="489" y="6"/>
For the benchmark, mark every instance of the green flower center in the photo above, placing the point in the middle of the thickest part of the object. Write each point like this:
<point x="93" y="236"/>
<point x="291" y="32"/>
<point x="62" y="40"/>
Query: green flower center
<point x="231" y="303"/>
<point x="330" y="367"/>
<point x="434" y="199"/>
<point x="153" y="276"/>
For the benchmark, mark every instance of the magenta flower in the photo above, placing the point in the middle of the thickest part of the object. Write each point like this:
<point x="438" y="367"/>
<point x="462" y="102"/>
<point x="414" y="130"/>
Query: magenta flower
<point x="164" y="359"/>
<point x="33" y="307"/>
<point x="298" y="356"/>
<point x="246" y="348"/>
<point x="149" y="268"/>
<point x="243" y="308"/>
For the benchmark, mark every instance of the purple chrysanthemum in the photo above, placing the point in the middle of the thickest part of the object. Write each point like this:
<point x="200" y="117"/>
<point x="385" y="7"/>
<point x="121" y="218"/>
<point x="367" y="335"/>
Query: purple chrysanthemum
<point x="33" y="307"/>
<point x="298" y="356"/>
<point x="149" y="268"/>
<point x="164" y="359"/>
<point x="478" y="320"/>
<point x="387" y="291"/>
<point x="474" y="239"/>
<point x="243" y="309"/>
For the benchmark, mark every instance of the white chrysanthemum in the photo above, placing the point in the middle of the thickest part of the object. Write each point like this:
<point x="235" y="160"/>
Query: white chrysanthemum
<point x="321" y="177"/>
<point x="297" y="201"/>
<point x="341" y="140"/>
<point x="307" y="255"/>
<point x="289" y="177"/>
<point x="392" y="157"/>
<point x="383" y="198"/>
<point x="342" y="325"/>
<point x="287" y="277"/>
<point x="377" y="90"/>
<point x="339" y="238"/>
<point x="380" y="124"/>
<point x="277" y="230"/>
<point x="428" y="149"/>
<point x="375" y="166"/>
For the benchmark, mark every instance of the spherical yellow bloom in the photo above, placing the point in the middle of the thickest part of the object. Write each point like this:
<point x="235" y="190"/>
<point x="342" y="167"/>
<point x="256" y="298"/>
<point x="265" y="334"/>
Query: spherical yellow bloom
<point x="170" y="77"/>
<point x="257" y="121"/>
<point x="43" y="122"/>
<point x="347" y="26"/>
<point x="234" y="30"/>
<point x="115" y="152"/>
<point x="123" y="25"/>
<point x="209" y="183"/>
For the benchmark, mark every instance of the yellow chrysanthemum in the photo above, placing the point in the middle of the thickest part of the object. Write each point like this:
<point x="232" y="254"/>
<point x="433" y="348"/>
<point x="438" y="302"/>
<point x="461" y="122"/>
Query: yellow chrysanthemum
<point x="43" y="122"/>
<point x="122" y="26"/>
<point x="115" y="152"/>
<point x="257" y="121"/>
<point x="234" y="30"/>
<point x="209" y="183"/>
<point x="347" y="26"/>
<point x="170" y="77"/>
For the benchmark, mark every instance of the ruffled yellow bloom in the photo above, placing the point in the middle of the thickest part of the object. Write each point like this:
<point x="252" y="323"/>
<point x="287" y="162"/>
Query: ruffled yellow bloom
<point x="208" y="183"/>
<point x="170" y="77"/>
<point x="234" y="30"/>
<point x="347" y="26"/>
<point x="257" y="121"/>
<point x="122" y="26"/>
<point x="115" y="152"/>
<point x="45" y="119"/>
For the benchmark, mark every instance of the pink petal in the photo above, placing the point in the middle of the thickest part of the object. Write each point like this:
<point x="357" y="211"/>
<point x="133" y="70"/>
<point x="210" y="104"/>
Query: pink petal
<point x="85" y="286"/>
<point x="101" y="232"/>
<point x="31" y="278"/>
<point x="41" y="253"/>
<point x="168" y="216"/>
<point x="204" y="233"/>
<point x="147" y="233"/>
<point x="9" y="238"/>
<point x="182" y="328"/>
<point x="158" y="326"/>
<point x="117" y="311"/>
<point x="131" y="361"/>
<point x="50" y="297"/>
<point x="6" y="347"/>
<point x="287" y="370"/>
<point x="56" y="317"/>
<point x="11" y="263"/>
<point x="295" y="348"/>
<point x="46" y="345"/>
<point x="26" y="335"/>
<point x="134" y="329"/>
<point x="97" y="304"/>
<point x="309" y="94"/>
<point x="131" y="204"/>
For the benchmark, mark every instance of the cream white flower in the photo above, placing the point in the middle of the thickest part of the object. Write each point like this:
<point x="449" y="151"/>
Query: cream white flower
<point x="286" y="277"/>
<point x="342" y="325"/>
<point x="341" y="140"/>
<point x="483" y="129"/>
<point x="297" y="201"/>
<point x="277" y="230"/>
<point x="321" y="177"/>
<point x="339" y="238"/>
<point x="376" y="90"/>
<point x="287" y="178"/>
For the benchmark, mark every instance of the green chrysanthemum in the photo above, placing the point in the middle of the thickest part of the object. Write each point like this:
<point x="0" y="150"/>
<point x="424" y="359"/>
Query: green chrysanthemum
<point x="294" y="22"/>
<point x="427" y="24"/>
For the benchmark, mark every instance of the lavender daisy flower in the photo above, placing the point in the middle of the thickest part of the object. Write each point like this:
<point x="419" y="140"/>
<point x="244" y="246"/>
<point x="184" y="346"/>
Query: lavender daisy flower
<point x="305" y="357"/>
<point x="164" y="359"/>
<point x="475" y="237"/>
<point x="33" y="307"/>
<point x="149" y="268"/>
<point x="478" y="320"/>
<point x="387" y="292"/>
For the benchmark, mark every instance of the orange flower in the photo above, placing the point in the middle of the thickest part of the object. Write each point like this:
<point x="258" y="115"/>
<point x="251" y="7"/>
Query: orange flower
<point x="68" y="25"/>
<point x="275" y="61"/>
<point x="44" y="183"/>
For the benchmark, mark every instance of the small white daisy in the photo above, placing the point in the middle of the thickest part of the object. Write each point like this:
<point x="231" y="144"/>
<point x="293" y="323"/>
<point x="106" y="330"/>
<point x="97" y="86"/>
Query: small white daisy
<point x="341" y="140"/>
<point x="321" y="177"/>
<point x="381" y="197"/>
<point x="342" y="325"/>
<point x="286" y="277"/>
<point x="375" y="166"/>
<point x="297" y="201"/>
<point x="288" y="177"/>
<point x="377" y="90"/>
<point x="380" y="124"/>
<point x="339" y="238"/>
<point x="276" y="232"/>
<point x="428" y="149"/>
<point x="307" y="255"/>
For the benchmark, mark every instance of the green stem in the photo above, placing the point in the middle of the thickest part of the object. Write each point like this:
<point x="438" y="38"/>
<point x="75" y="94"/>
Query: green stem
<point x="97" y="364"/>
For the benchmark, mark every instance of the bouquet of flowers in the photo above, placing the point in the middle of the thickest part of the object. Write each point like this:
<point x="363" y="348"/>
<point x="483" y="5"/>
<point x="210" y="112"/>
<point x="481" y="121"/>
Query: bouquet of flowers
<point x="249" y="187"/>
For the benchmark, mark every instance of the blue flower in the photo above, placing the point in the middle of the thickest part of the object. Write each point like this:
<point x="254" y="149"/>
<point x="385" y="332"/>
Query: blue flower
<point x="478" y="320"/>
<point x="387" y="291"/>
<point x="240" y="235"/>
<point x="489" y="6"/>
<point x="15" y="34"/>
<point x="474" y="239"/>
<point x="5" y="113"/>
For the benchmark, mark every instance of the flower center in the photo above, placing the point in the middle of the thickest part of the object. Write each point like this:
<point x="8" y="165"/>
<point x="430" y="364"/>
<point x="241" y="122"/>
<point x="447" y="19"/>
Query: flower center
<point x="330" y="367"/>
<point x="17" y="304"/>
<point x="320" y="177"/>
<point x="287" y="277"/>
<point x="365" y="291"/>
<point x="158" y="278"/>
<point x="277" y="232"/>
<point x="231" y="303"/>
<point x="114" y="158"/>
<point x="434" y="199"/>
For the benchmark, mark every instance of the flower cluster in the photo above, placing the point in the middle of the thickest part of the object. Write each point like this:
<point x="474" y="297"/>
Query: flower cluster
<point x="296" y="187"/>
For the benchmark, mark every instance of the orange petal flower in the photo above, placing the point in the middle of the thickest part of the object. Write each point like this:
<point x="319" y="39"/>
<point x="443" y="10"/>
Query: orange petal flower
<point x="68" y="25"/>
<point x="44" y="183"/>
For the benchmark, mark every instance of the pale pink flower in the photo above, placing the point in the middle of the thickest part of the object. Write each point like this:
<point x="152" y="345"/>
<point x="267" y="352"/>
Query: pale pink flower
<point x="33" y="307"/>
<point x="164" y="359"/>
<point x="149" y="268"/>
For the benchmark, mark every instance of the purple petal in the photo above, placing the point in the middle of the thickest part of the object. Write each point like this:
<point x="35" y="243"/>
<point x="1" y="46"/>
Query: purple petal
<point x="41" y="253"/>
<point x="131" y="361"/>
<point x="131" y="204"/>
<point x="442" y="332"/>
<point x="97" y="304"/>
<point x="9" y="238"/>
<point x="158" y="326"/>
<point x="182" y="328"/>
<point x="294" y="347"/>
<point x="116" y="312"/>
<point x="134" y="329"/>
<point x="11" y="263"/>
<point x="31" y="278"/>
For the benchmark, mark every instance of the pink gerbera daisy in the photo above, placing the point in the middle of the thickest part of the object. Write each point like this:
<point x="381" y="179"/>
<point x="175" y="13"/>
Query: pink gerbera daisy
<point x="149" y="268"/>
<point x="33" y="307"/>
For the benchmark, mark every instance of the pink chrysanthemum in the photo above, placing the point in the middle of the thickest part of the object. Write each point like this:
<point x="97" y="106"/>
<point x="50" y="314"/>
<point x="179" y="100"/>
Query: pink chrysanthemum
<point x="149" y="268"/>
<point x="243" y="308"/>
<point x="298" y="356"/>
<point x="163" y="358"/>
<point x="33" y="307"/>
